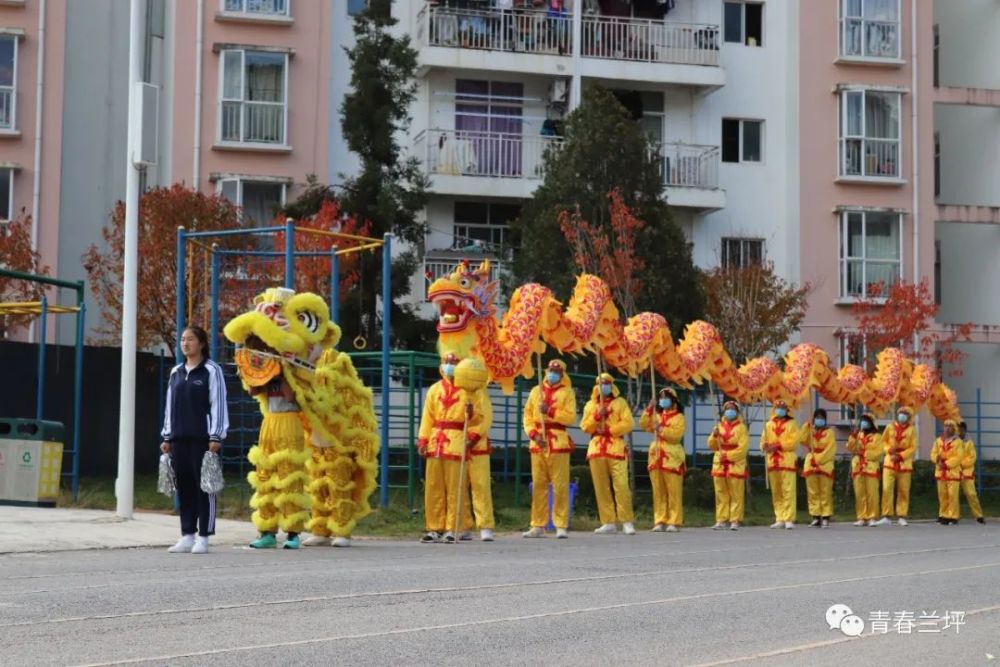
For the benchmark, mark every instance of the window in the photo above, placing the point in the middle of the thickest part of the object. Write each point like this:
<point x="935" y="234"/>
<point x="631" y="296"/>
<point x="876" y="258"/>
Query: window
<point x="869" y="134"/>
<point x="869" y="28"/>
<point x="738" y="253"/>
<point x="742" y="140"/>
<point x="489" y="126"/>
<point x="937" y="55"/>
<point x="870" y="252"/>
<point x="6" y="194"/>
<point x="744" y="23"/>
<point x="254" y="94"/>
<point x="8" y="82"/>
<point x="483" y="225"/>
<point x="355" y="7"/>
<point x="258" y="200"/>
<point x="260" y="7"/>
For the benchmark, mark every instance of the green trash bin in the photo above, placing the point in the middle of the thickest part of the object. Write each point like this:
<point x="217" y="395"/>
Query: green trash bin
<point x="30" y="462"/>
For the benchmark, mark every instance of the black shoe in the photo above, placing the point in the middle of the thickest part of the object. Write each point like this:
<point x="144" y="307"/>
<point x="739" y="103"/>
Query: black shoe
<point x="981" y="520"/>
<point x="942" y="521"/>
<point x="815" y="522"/>
<point x="953" y="522"/>
<point x="430" y="537"/>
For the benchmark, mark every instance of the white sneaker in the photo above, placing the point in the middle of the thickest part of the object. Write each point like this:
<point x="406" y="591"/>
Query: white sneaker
<point x="606" y="529"/>
<point x="778" y="524"/>
<point x="872" y="523"/>
<point x="735" y="525"/>
<point x="534" y="532"/>
<point x="341" y="541"/>
<point x="884" y="521"/>
<point x="486" y="535"/>
<point x="672" y="529"/>
<point x="562" y="534"/>
<point x="200" y="545"/>
<point x="903" y="522"/>
<point x="659" y="528"/>
<point x="720" y="525"/>
<point x="316" y="541"/>
<point x="789" y="525"/>
<point x="183" y="545"/>
<point x="860" y="522"/>
<point x="825" y="523"/>
<point x="628" y="528"/>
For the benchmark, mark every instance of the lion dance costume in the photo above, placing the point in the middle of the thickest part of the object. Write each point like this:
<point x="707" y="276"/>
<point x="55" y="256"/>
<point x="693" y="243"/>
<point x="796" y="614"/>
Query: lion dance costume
<point x="315" y="459"/>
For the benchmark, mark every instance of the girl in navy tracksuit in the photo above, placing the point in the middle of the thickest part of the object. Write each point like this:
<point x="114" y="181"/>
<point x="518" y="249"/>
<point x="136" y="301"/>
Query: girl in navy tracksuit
<point x="195" y="421"/>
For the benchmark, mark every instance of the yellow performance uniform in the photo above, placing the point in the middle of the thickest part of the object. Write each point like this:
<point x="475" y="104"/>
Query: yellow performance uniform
<point x="607" y="455"/>
<point x="440" y="442"/>
<point x="900" y="440"/>
<point x="667" y="464"/>
<point x="729" y="468"/>
<point x="947" y="456"/>
<point x="867" y="450"/>
<point x="279" y="477"/>
<point x="818" y="470"/>
<point x="550" y="463"/>
<point x="969" y="479"/>
<point x="782" y="472"/>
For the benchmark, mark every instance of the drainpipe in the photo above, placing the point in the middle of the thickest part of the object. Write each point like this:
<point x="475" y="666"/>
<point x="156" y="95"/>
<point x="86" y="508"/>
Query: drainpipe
<point x="36" y="180"/>
<point x="914" y="117"/>
<point x="199" y="41"/>
<point x="575" y="92"/>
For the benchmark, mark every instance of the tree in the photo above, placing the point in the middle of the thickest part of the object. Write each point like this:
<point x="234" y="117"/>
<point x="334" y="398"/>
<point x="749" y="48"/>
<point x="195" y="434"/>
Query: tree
<point x="390" y="190"/>
<point x="17" y="254"/>
<point x="754" y="310"/>
<point x="161" y="212"/>
<point x="903" y="315"/>
<point x="605" y="151"/>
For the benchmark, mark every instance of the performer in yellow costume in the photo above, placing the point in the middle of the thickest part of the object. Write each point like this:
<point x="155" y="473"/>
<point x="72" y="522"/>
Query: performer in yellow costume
<point x="818" y="468"/>
<point x="441" y="442"/>
<point x="607" y="418"/>
<point x="969" y="473"/>
<point x="667" y="463"/>
<point x="778" y="442"/>
<point x="550" y="410"/>
<point x="730" y="440"/>
<point x="947" y="456"/>
<point x="866" y="445"/>
<point x="900" y="441"/>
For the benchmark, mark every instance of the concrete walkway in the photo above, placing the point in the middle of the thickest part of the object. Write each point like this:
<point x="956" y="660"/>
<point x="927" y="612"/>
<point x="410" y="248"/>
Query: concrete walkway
<point x="37" y="529"/>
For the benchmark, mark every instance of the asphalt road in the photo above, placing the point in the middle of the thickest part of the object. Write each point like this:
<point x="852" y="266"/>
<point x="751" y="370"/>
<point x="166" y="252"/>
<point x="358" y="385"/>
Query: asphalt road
<point x="696" y="597"/>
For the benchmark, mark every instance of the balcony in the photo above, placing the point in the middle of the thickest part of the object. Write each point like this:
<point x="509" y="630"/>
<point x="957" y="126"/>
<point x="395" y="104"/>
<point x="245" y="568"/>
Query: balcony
<point x="7" y="102"/>
<point x="691" y="176"/>
<point x="252" y="124"/>
<point x="870" y="161"/>
<point x="611" y="47"/>
<point x="470" y="163"/>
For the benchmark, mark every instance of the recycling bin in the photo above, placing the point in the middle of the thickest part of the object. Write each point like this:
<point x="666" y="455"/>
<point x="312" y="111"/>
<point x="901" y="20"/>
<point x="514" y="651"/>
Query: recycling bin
<point x="572" y="499"/>
<point x="31" y="453"/>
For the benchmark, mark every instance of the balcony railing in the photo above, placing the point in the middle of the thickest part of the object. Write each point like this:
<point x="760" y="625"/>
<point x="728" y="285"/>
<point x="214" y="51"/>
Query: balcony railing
<point x="487" y="154"/>
<point x="7" y="108"/>
<point x="870" y="157"/>
<point x="260" y="7"/>
<point x="870" y="39"/>
<point x="690" y="165"/>
<point x="253" y="122"/>
<point x="650" y="41"/>
<point x="526" y="31"/>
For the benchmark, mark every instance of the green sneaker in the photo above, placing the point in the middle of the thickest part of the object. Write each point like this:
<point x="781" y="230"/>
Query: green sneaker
<point x="265" y="541"/>
<point x="291" y="543"/>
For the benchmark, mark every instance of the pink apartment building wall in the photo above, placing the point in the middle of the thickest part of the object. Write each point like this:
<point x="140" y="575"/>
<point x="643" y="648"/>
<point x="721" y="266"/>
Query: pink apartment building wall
<point x="19" y="148"/>
<point x="308" y="36"/>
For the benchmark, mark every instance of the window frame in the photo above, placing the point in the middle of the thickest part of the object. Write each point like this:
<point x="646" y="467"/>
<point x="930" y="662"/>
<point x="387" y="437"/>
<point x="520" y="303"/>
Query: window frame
<point x="844" y="259"/>
<point x="743" y="22"/>
<point x="744" y="251"/>
<point x="8" y="215"/>
<point x="242" y="101"/>
<point x="240" y="182"/>
<point x="245" y="12"/>
<point x="843" y="19"/>
<point x="863" y="137"/>
<point x="13" y="87"/>
<point x="740" y="122"/>
<point x="502" y="229"/>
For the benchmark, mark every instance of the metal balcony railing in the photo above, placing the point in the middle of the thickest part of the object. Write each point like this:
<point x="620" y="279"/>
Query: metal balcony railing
<point x="649" y="41"/>
<point x="690" y="165"/>
<point x="486" y="154"/>
<point x="526" y="31"/>
<point x="870" y="157"/>
<point x="253" y="122"/>
<point x="7" y="99"/>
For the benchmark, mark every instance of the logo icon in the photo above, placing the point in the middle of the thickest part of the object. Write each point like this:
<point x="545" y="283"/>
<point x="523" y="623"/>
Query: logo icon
<point x="852" y="626"/>
<point x="26" y="458"/>
<point x="836" y="614"/>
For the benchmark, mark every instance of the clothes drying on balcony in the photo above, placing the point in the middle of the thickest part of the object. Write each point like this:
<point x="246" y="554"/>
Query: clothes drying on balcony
<point x="456" y="156"/>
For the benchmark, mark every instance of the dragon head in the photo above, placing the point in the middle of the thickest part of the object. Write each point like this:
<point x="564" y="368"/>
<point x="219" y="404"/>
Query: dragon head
<point x="286" y="327"/>
<point x="462" y="296"/>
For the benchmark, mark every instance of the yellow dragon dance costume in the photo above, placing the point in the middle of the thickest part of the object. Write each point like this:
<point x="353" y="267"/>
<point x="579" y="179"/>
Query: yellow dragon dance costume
<point x="316" y="460"/>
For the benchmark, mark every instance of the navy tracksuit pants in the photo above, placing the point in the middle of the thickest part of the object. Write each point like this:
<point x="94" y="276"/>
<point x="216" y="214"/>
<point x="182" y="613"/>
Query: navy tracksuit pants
<point x="197" y="508"/>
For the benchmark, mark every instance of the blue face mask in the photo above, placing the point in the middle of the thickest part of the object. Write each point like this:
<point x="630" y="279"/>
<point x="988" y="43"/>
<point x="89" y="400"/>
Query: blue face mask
<point x="448" y="370"/>
<point x="781" y="412"/>
<point x="605" y="390"/>
<point x="902" y="417"/>
<point x="865" y="424"/>
<point x="665" y="403"/>
<point x="730" y="414"/>
<point x="553" y="377"/>
<point x="820" y="422"/>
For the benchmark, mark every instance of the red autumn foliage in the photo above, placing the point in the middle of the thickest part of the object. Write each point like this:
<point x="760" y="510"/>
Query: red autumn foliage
<point x="903" y="315"/>
<point x="17" y="254"/>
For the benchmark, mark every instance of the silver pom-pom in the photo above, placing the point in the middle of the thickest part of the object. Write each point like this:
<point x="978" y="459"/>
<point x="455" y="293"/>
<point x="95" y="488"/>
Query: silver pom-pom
<point x="167" y="483"/>
<point x="211" y="473"/>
